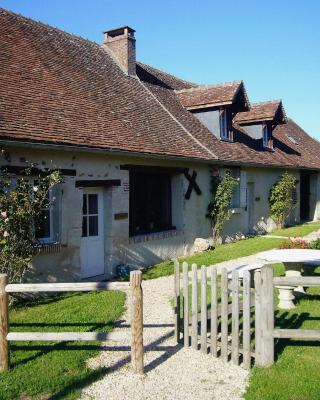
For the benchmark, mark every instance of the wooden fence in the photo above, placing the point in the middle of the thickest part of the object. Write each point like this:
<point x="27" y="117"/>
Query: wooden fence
<point x="136" y="318"/>
<point x="229" y="318"/>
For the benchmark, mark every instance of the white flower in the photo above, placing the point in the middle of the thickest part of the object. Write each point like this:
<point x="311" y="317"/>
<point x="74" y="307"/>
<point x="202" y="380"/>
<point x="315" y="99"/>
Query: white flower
<point x="5" y="234"/>
<point x="6" y="220"/>
<point x="4" y="214"/>
<point x="35" y="188"/>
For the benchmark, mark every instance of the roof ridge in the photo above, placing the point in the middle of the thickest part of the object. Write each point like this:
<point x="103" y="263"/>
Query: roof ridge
<point x="167" y="73"/>
<point x="47" y="26"/>
<point x="209" y="86"/>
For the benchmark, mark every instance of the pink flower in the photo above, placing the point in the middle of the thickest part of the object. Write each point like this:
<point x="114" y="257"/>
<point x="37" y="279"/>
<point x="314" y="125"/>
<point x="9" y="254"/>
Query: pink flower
<point x="4" y="214"/>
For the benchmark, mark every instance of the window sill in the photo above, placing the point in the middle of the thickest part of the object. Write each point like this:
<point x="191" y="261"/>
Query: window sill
<point x="147" y="237"/>
<point x="226" y="140"/>
<point x="235" y="210"/>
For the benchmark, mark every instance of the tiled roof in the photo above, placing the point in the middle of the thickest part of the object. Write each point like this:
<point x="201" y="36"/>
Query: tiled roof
<point x="264" y="111"/>
<point x="244" y="149"/>
<point x="211" y="95"/>
<point x="61" y="89"/>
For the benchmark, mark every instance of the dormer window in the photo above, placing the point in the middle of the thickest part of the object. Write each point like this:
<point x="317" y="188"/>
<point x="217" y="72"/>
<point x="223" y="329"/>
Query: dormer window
<point x="223" y="125"/>
<point x="265" y="136"/>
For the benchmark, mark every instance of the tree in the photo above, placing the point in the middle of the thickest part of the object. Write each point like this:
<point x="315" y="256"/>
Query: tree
<point x="281" y="199"/>
<point x="219" y="210"/>
<point x="22" y="201"/>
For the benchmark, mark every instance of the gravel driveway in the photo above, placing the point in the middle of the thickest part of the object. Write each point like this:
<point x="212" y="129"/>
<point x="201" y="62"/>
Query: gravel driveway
<point x="171" y="372"/>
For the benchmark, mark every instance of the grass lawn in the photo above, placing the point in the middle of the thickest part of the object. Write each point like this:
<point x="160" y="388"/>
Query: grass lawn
<point x="298" y="230"/>
<point x="224" y="252"/>
<point x="43" y="370"/>
<point x="296" y="373"/>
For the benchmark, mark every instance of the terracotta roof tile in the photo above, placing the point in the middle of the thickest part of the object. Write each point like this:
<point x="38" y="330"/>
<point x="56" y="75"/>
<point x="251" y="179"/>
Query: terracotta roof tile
<point x="209" y="95"/>
<point x="58" y="88"/>
<point x="263" y="111"/>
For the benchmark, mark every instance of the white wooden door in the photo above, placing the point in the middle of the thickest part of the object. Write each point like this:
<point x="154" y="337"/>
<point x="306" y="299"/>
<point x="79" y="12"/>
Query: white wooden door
<point x="92" y="241"/>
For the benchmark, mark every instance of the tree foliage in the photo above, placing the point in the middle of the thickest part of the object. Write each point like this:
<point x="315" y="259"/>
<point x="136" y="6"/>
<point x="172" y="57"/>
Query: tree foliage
<point x="281" y="199"/>
<point x="219" y="211"/>
<point x="21" y="204"/>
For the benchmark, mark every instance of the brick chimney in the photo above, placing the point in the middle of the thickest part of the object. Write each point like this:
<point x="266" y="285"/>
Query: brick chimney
<point x="122" y="43"/>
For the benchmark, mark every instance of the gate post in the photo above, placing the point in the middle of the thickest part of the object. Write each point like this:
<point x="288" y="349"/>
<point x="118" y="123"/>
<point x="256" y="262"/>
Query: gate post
<point x="265" y="317"/>
<point x="136" y="322"/>
<point x="4" y="324"/>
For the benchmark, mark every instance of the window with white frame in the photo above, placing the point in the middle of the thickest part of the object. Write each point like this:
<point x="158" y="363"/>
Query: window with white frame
<point x="265" y="136"/>
<point x="223" y="124"/>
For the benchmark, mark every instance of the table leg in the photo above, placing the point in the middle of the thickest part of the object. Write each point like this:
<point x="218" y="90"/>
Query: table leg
<point x="286" y="297"/>
<point x="294" y="269"/>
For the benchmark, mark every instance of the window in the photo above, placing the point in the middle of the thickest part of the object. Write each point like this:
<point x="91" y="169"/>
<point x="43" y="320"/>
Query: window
<point x="265" y="136"/>
<point x="43" y="224"/>
<point x="223" y="124"/>
<point x="90" y="215"/>
<point x="150" y="202"/>
<point x="235" y="199"/>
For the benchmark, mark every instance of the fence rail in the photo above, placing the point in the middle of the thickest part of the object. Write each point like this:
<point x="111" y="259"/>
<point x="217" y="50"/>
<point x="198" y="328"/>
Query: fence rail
<point x="136" y="317"/>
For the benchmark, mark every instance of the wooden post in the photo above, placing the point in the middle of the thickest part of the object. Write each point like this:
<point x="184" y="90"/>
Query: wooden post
<point x="246" y="320"/>
<point x="4" y="324"/>
<point x="177" y="303"/>
<point x="185" y="268"/>
<point x="267" y="317"/>
<point x="214" y="312"/>
<point x="224" y="315"/>
<point x="204" y="314"/>
<point x="194" y="338"/>
<point x="136" y="322"/>
<point x="235" y="318"/>
<point x="257" y="317"/>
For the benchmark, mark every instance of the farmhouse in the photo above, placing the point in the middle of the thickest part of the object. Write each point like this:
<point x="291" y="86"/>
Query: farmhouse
<point x="136" y="147"/>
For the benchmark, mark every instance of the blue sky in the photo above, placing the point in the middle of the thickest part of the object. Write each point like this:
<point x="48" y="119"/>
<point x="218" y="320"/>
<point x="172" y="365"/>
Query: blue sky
<point x="274" y="46"/>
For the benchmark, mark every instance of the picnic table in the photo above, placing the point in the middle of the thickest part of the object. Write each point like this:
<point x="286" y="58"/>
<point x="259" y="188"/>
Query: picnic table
<point x="294" y="261"/>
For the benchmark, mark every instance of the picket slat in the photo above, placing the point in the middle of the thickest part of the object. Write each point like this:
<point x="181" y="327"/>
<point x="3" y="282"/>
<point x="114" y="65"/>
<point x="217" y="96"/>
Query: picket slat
<point x="177" y="305"/>
<point x="194" y="337"/>
<point x="214" y="312"/>
<point x="235" y="318"/>
<point x="258" y="331"/>
<point x="224" y="315"/>
<point x="246" y="320"/>
<point x="185" y="268"/>
<point x="204" y="319"/>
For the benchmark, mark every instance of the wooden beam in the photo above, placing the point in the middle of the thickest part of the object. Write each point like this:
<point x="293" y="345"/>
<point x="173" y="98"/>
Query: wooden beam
<point x="309" y="334"/>
<point x="308" y="281"/>
<point x="98" y="183"/>
<point x="65" y="287"/>
<point x="4" y="324"/>
<point x="136" y="322"/>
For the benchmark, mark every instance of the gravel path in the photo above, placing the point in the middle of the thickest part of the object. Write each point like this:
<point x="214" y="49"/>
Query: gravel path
<point x="171" y="372"/>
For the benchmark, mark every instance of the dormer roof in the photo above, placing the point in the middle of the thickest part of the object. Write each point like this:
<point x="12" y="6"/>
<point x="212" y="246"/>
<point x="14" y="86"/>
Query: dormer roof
<point x="262" y="112"/>
<point x="206" y="96"/>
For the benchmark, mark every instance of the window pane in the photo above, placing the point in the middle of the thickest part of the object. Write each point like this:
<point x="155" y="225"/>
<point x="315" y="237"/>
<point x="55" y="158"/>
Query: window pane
<point x="93" y="204"/>
<point x="43" y="225"/>
<point x="84" y="205"/>
<point x="84" y="227"/>
<point x="93" y="226"/>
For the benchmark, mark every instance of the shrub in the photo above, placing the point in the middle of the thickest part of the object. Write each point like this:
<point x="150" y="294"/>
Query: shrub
<point x="21" y="205"/>
<point x="294" y="244"/>
<point x="315" y="244"/>
<point x="219" y="210"/>
<point x="281" y="199"/>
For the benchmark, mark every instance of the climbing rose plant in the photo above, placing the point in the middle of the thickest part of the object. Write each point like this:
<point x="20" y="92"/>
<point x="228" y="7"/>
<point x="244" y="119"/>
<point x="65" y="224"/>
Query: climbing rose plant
<point x="21" y="204"/>
<point x="281" y="199"/>
<point x="219" y="211"/>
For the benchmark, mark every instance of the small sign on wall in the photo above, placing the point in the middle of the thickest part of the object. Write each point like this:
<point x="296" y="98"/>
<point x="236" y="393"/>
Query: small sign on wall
<point x="120" y="216"/>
